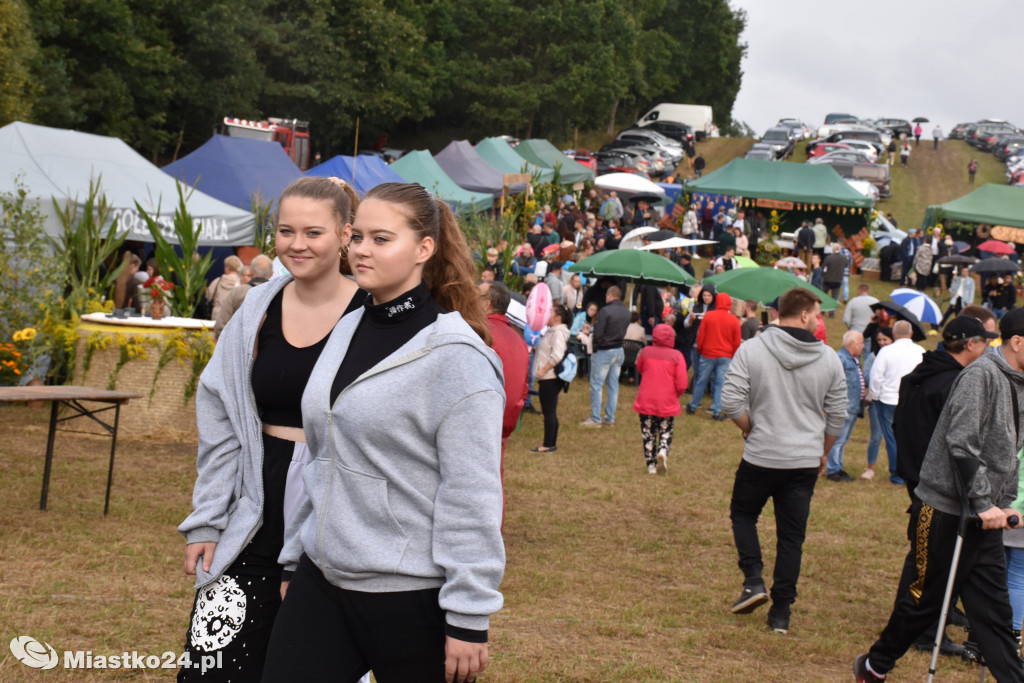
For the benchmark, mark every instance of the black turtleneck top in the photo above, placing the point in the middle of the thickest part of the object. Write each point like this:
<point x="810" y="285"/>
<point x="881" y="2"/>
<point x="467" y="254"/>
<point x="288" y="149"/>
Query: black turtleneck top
<point x="383" y="330"/>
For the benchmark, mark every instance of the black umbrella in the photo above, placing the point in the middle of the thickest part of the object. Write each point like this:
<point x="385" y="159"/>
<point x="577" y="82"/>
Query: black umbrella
<point x="995" y="266"/>
<point x="920" y="119"/>
<point x="957" y="259"/>
<point x="648" y="197"/>
<point x="659" y="235"/>
<point x="904" y="314"/>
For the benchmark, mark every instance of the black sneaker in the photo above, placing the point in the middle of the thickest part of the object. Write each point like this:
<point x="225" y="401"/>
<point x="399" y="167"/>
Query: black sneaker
<point x="691" y="411"/>
<point x="860" y="670"/>
<point x="947" y="647"/>
<point x="754" y="595"/>
<point x="841" y="476"/>
<point x="778" y="620"/>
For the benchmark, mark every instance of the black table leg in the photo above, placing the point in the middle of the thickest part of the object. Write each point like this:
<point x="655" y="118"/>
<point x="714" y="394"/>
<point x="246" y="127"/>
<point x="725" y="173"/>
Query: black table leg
<point x="113" y="446"/>
<point x="49" y="453"/>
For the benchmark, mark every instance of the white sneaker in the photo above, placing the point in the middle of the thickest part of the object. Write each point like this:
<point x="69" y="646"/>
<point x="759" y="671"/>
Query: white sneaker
<point x="662" y="465"/>
<point x="589" y="423"/>
<point x="652" y="469"/>
<point x="867" y="474"/>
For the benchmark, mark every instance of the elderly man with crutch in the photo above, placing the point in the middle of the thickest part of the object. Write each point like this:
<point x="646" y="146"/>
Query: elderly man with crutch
<point x="980" y="422"/>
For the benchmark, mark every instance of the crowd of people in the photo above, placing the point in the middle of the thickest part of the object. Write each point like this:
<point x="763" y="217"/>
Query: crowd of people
<point x="328" y="521"/>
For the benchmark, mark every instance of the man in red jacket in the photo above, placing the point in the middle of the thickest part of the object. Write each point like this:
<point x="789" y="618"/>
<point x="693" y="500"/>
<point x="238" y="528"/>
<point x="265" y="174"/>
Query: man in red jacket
<point x="717" y="341"/>
<point x="514" y="355"/>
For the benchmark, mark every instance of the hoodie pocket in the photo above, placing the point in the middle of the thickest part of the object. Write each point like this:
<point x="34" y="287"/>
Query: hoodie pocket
<point x="360" y="533"/>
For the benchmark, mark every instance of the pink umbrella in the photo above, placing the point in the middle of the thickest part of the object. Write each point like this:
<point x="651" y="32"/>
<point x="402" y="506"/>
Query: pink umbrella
<point x="995" y="247"/>
<point x="538" y="306"/>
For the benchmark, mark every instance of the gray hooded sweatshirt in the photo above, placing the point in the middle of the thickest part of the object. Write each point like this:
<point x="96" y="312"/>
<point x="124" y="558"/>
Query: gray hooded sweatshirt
<point x="795" y="393"/>
<point x="976" y="422"/>
<point x="404" y="490"/>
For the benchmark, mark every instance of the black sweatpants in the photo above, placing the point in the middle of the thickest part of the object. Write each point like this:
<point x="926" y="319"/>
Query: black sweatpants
<point x="549" y="390"/>
<point x="329" y="634"/>
<point x="980" y="582"/>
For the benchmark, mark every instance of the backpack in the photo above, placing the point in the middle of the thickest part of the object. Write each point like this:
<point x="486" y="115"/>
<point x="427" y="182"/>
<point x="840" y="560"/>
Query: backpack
<point x="566" y="369"/>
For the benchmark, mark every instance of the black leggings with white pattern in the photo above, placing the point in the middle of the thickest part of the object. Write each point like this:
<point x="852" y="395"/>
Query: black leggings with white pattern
<point x="657" y="434"/>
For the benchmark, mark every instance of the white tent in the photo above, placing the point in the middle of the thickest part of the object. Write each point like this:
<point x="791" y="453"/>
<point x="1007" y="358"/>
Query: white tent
<point x="52" y="163"/>
<point x="628" y="183"/>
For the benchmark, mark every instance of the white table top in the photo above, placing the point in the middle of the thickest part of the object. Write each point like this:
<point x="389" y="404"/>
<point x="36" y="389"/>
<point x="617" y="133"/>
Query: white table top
<point x="146" y="321"/>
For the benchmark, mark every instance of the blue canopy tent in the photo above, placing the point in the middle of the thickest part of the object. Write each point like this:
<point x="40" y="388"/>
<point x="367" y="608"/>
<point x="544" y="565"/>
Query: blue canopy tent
<point x="364" y="172"/>
<point x="471" y="172"/>
<point x="235" y="169"/>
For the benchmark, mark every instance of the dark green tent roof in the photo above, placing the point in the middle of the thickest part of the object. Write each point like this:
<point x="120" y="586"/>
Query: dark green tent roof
<point x="544" y="154"/>
<point x="990" y="204"/>
<point x="784" y="181"/>
<point x="501" y="156"/>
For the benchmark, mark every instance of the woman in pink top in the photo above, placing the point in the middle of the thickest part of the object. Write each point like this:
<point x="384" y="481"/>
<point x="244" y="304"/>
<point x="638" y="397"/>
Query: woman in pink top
<point x="662" y="381"/>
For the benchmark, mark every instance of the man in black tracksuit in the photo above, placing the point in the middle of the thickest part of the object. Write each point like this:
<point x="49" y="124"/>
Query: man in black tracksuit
<point x="923" y="395"/>
<point x="981" y="421"/>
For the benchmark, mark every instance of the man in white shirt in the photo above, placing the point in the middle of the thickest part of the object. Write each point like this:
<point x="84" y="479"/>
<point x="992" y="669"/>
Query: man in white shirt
<point x="892" y="363"/>
<point x="858" y="311"/>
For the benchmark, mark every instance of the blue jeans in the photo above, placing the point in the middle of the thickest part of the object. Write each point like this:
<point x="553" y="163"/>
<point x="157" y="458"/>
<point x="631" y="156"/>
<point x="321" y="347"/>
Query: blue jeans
<point x="835" y="454"/>
<point x="876" y="432"/>
<point x="884" y="413"/>
<point x="846" y="288"/>
<point x="1015" y="583"/>
<point x="707" y="366"/>
<point x="605" y="366"/>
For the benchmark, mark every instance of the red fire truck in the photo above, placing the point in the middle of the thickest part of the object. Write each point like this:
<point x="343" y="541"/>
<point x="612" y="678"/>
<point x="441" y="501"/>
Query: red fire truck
<point x="291" y="134"/>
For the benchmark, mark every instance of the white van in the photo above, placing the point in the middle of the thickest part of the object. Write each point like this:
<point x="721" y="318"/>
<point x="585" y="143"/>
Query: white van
<point x="697" y="116"/>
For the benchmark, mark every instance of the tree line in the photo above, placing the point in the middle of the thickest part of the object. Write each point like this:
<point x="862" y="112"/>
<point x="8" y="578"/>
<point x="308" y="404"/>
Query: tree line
<point x="162" y="74"/>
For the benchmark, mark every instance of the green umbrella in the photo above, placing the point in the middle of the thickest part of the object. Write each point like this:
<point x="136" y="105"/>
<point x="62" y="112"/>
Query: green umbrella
<point x="633" y="264"/>
<point x="747" y="262"/>
<point x="764" y="285"/>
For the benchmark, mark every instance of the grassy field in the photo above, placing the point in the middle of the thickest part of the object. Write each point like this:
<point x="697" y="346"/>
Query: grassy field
<point x="613" y="575"/>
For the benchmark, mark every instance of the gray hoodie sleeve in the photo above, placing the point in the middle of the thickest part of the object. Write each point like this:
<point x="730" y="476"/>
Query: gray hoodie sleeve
<point x="736" y="389"/>
<point x="219" y="454"/>
<point x="466" y="541"/>
<point x="967" y="417"/>
<point x="835" y="398"/>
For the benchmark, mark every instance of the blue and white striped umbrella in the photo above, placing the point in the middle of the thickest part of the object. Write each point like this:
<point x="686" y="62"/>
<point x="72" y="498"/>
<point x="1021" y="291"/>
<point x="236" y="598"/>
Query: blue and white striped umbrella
<point x="918" y="303"/>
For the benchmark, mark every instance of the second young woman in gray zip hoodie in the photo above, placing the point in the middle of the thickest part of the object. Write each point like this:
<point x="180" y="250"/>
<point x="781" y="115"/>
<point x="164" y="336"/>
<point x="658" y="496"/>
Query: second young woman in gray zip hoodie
<point x="398" y="547"/>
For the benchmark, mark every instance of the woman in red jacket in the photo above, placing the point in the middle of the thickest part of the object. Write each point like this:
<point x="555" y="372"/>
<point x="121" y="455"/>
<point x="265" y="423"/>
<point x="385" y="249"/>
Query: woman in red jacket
<point x="662" y="381"/>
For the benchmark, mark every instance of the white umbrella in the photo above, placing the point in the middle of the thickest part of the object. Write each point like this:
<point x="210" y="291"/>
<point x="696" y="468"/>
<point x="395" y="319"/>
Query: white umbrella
<point x="632" y="240"/>
<point x="628" y="183"/>
<point x="675" y="243"/>
<point x="918" y="303"/>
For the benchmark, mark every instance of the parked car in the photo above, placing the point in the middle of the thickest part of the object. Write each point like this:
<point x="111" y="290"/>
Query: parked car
<point x="876" y="174"/>
<point x="619" y="161"/>
<point x="835" y="116"/>
<point x="957" y="133"/>
<point x="801" y="131"/>
<point x="984" y="131"/>
<point x="896" y="127"/>
<point x="872" y="149"/>
<point x="864" y="187"/>
<point x="652" y="138"/>
<point x="816" y="148"/>
<point x="859" y="134"/>
<point x="842" y="155"/>
<point x="582" y="156"/>
<point x="680" y="132"/>
<point x="780" y="141"/>
<point x="1007" y="145"/>
<point x="761" y="152"/>
<point x="643" y="157"/>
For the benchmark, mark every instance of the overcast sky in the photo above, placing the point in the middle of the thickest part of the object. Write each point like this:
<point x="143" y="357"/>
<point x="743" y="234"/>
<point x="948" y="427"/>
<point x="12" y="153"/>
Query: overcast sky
<point x="948" y="61"/>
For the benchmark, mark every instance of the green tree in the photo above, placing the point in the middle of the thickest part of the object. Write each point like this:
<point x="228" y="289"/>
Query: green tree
<point x="17" y="50"/>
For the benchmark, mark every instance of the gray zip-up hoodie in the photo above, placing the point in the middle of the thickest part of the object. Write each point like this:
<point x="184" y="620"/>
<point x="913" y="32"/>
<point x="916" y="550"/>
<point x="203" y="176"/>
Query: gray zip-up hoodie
<point x="404" y="491"/>
<point x="227" y="499"/>
<point x="976" y="422"/>
<point x="795" y="393"/>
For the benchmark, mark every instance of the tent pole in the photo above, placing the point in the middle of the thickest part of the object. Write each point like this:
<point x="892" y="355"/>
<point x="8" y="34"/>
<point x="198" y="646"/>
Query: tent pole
<point x="355" y="152"/>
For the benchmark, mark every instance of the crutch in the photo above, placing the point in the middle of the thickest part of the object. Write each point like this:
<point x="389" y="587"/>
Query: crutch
<point x="964" y="470"/>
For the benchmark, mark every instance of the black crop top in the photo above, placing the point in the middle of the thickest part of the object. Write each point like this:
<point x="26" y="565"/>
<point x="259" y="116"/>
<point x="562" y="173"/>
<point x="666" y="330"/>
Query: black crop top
<point x="280" y="372"/>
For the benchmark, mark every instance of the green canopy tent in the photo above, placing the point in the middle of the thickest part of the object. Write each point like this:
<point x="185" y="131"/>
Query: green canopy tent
<point x="989" y="205"/>
<point x="501" y="156"/>
<point x="795" y="190"/>
<point x="542" y="153"/>
<point x="420" y="167"/>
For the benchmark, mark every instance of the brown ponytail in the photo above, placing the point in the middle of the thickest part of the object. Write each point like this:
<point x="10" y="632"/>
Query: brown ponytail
<point x="450" y="273"/>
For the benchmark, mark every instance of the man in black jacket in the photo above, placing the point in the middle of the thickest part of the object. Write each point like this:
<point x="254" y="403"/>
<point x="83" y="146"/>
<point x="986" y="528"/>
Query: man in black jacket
<point x="923" y="394"/>
<point x="606" y="361"/>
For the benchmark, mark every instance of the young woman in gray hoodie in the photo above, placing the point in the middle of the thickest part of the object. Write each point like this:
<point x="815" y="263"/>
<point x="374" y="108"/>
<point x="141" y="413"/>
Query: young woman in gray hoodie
<point x="398" y="545"/>
<point x="251" y="443"/>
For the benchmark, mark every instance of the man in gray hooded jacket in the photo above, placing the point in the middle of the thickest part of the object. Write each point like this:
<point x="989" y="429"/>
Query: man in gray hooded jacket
<point x="786" y="391"/>
<point x="981" y="420"/>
